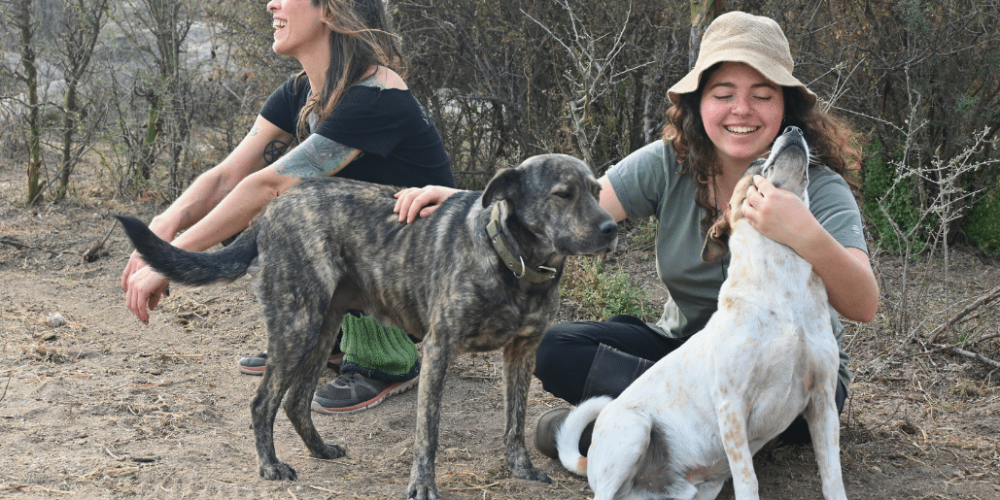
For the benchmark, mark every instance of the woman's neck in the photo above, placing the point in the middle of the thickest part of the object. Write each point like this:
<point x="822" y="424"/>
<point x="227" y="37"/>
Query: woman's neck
<point x="724" y="184"/>
<point x="316" y="63"/>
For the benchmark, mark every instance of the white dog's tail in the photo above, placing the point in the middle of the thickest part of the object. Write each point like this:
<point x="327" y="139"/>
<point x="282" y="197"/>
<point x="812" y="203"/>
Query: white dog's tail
<point x="568" y="435"/>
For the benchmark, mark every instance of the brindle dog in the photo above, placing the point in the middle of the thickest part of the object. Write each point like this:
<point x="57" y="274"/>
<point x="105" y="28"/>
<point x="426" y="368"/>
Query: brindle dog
<point x="332" y="245"/>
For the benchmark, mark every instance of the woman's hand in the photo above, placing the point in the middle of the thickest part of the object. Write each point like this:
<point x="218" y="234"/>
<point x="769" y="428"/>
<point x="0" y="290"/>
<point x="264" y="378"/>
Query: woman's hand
<point x="143" y="287"/>
<point x="778" y="214"/>
<point x="846" y="272"/>
<point x="420" y="202"/>
<point x="135" y="263"/>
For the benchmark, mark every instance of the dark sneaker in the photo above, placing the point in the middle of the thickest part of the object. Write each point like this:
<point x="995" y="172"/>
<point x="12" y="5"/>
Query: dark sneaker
<point x="254" y="365"/>
<point x="354" y="392"/>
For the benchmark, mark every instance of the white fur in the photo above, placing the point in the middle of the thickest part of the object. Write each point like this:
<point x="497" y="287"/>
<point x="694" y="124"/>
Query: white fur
<point x="767" y="355"/>
<point x="568" y="435"/>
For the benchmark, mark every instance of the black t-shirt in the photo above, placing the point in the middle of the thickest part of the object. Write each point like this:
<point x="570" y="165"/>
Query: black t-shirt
<point x="400" y="143"/>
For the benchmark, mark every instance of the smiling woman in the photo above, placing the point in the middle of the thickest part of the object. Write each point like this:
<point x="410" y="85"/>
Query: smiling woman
<point x="299" y="31"/>
<point x="742" y="112"/>
<point x="347" y="113"/>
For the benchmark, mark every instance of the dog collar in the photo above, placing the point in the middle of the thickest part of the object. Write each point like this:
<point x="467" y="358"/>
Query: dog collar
<point x="510" y="258"/>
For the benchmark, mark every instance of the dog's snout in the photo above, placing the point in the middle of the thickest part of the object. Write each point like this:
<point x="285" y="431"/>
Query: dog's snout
<point x="793" y="130"/>
<point x="607" y="228"/>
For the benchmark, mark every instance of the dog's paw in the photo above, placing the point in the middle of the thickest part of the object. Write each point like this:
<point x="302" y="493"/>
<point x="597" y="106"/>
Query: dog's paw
<point x="329" y="452"/>
<point x="532" y="474"/>
<point x="278" y="471"/>
<point x="419" y="491"/>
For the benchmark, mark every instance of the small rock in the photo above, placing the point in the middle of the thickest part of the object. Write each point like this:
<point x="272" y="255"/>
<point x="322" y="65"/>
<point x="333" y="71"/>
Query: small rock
<point x="56" y="320"/>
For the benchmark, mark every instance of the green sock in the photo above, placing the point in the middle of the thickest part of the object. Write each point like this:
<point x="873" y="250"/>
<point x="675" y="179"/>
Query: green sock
<point x="377" y="351"/>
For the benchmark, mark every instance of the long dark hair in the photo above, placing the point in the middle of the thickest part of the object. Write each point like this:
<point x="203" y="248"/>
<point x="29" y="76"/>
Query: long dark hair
<point x="361" y="37"/>
<point x="831" y="141"/>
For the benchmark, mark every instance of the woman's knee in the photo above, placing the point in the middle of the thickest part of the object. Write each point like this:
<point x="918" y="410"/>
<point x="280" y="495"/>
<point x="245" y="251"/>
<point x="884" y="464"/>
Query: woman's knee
<point x="560" y="346"/>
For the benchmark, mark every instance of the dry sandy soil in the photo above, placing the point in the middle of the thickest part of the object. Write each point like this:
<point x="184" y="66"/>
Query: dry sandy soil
<point x="105" y="407"/>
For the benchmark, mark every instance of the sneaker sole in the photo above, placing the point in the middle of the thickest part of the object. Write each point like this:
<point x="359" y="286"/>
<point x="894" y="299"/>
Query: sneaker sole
<point x="392" y="390"/>
<point x="256" y="371"/>
<point x="335" y="362"/>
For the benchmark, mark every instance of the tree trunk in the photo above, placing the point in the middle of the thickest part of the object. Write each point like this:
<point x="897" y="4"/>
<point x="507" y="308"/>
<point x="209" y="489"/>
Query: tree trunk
<point x="703" y="12"/>
<point x="24" y="22"/>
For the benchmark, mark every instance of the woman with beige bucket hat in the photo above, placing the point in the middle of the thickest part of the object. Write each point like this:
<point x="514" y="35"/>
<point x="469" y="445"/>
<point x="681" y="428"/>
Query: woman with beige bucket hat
<point x="725" y="114"/>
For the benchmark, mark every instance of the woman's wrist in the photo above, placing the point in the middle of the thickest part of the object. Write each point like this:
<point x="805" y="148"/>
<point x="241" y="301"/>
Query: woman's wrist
<point x="162" y="227"/>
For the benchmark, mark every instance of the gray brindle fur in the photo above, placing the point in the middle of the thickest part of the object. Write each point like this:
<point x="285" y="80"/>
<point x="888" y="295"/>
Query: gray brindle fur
<point x="332" y="245"/>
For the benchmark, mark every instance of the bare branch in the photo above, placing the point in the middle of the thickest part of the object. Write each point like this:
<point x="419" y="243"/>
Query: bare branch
<point x="981" y="301"/>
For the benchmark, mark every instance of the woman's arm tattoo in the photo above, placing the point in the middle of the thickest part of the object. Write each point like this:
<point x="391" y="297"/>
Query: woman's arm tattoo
<point x="274" y="150"/>
<point x="315" y="157"/>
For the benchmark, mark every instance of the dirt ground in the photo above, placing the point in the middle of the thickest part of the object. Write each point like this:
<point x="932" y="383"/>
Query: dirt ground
<point x="103" y="406"/>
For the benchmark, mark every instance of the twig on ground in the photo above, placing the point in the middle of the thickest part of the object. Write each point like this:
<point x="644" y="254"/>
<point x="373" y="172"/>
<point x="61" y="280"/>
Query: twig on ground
<point x="340" y="494"/>
<point x="981" y="301"/>
<point x="567" y="488"/>
<point x="980" y="340"/>
<point x="969" y="354"/>
<point x="98" y="472"/>
<point x="14" y="243"/>
<point x="91" y="254"/>
<point x="116" y="457"/>
<point x="31" y="487"/>
<point x="467" y="488"/>
<point x="168" y="355"/>
<point x="168" y="414"/>
<point x="10" y="373"/>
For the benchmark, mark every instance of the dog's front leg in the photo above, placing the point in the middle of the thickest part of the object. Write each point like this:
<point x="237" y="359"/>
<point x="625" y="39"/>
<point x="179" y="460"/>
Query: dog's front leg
<point x="824" y="429"/>
<point x="519" y="362"/>
<point x="436" y="358"/>
<point x="732" y="417"/>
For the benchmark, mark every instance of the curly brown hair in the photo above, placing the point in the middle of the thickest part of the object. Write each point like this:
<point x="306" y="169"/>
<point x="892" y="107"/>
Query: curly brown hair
<point x="831" y="141"/>
<point x="361" y="37"/>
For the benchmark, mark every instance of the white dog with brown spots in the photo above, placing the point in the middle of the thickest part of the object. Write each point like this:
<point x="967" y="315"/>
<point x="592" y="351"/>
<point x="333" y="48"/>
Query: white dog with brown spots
<point x="767" y="355"/>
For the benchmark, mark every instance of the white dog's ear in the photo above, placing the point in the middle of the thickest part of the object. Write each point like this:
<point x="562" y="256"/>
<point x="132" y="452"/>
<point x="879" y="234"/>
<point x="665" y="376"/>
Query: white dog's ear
<point x="505" y="185"/>
<point x="717" y="241"/>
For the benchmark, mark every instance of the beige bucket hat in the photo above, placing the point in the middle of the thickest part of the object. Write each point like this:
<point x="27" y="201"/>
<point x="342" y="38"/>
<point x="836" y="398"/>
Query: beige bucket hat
<point x="740" y="37"/>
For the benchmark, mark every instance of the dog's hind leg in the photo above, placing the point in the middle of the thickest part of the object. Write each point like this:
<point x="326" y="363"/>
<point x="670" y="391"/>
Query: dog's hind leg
<point x="519" y="361"/>
<point x="299" y="399"/>
<point x="295" y="315"/>
<point x="824" y="428"/>
<point x="262" y="412"/>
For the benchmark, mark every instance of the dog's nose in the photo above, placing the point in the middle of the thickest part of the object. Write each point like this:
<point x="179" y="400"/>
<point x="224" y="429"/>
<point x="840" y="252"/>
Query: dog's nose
<point x="607" y="228"/>
<point x="793" y="130"/>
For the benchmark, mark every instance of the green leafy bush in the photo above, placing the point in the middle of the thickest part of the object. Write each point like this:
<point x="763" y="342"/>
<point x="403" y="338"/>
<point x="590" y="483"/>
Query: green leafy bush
<point x="602" y="293"/>
<point x="982" y="225"/>
<point x="898" y="197"/>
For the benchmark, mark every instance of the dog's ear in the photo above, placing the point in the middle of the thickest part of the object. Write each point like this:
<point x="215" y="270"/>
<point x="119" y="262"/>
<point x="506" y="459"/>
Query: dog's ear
<point x="505" y="185"/>
<point x="717" y="242"/>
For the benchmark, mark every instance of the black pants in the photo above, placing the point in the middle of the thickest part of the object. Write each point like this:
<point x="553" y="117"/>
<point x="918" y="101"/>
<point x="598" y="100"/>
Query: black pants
<point x="567" y="352"/>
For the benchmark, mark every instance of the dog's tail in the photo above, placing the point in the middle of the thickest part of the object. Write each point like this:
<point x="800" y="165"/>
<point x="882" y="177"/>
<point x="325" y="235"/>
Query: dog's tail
<point x="191" y="268"/>
<point x="569" y="434"/>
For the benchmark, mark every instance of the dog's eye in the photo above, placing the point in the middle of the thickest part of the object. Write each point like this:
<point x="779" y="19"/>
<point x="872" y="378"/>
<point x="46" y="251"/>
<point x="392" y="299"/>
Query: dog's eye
<point x="566" y="195"/>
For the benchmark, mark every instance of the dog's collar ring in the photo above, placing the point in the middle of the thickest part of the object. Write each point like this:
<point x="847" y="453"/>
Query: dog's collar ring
<point x="523" y="268"/>
<point x="510" y="258"/>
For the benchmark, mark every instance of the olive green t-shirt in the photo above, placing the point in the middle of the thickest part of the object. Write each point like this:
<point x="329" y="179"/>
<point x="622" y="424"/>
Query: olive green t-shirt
<point x="648" y="183"/>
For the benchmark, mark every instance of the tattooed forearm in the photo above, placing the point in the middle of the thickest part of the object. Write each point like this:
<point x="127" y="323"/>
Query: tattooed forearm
<point x="316" y="156"/>
<point x="274" y="150"/>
